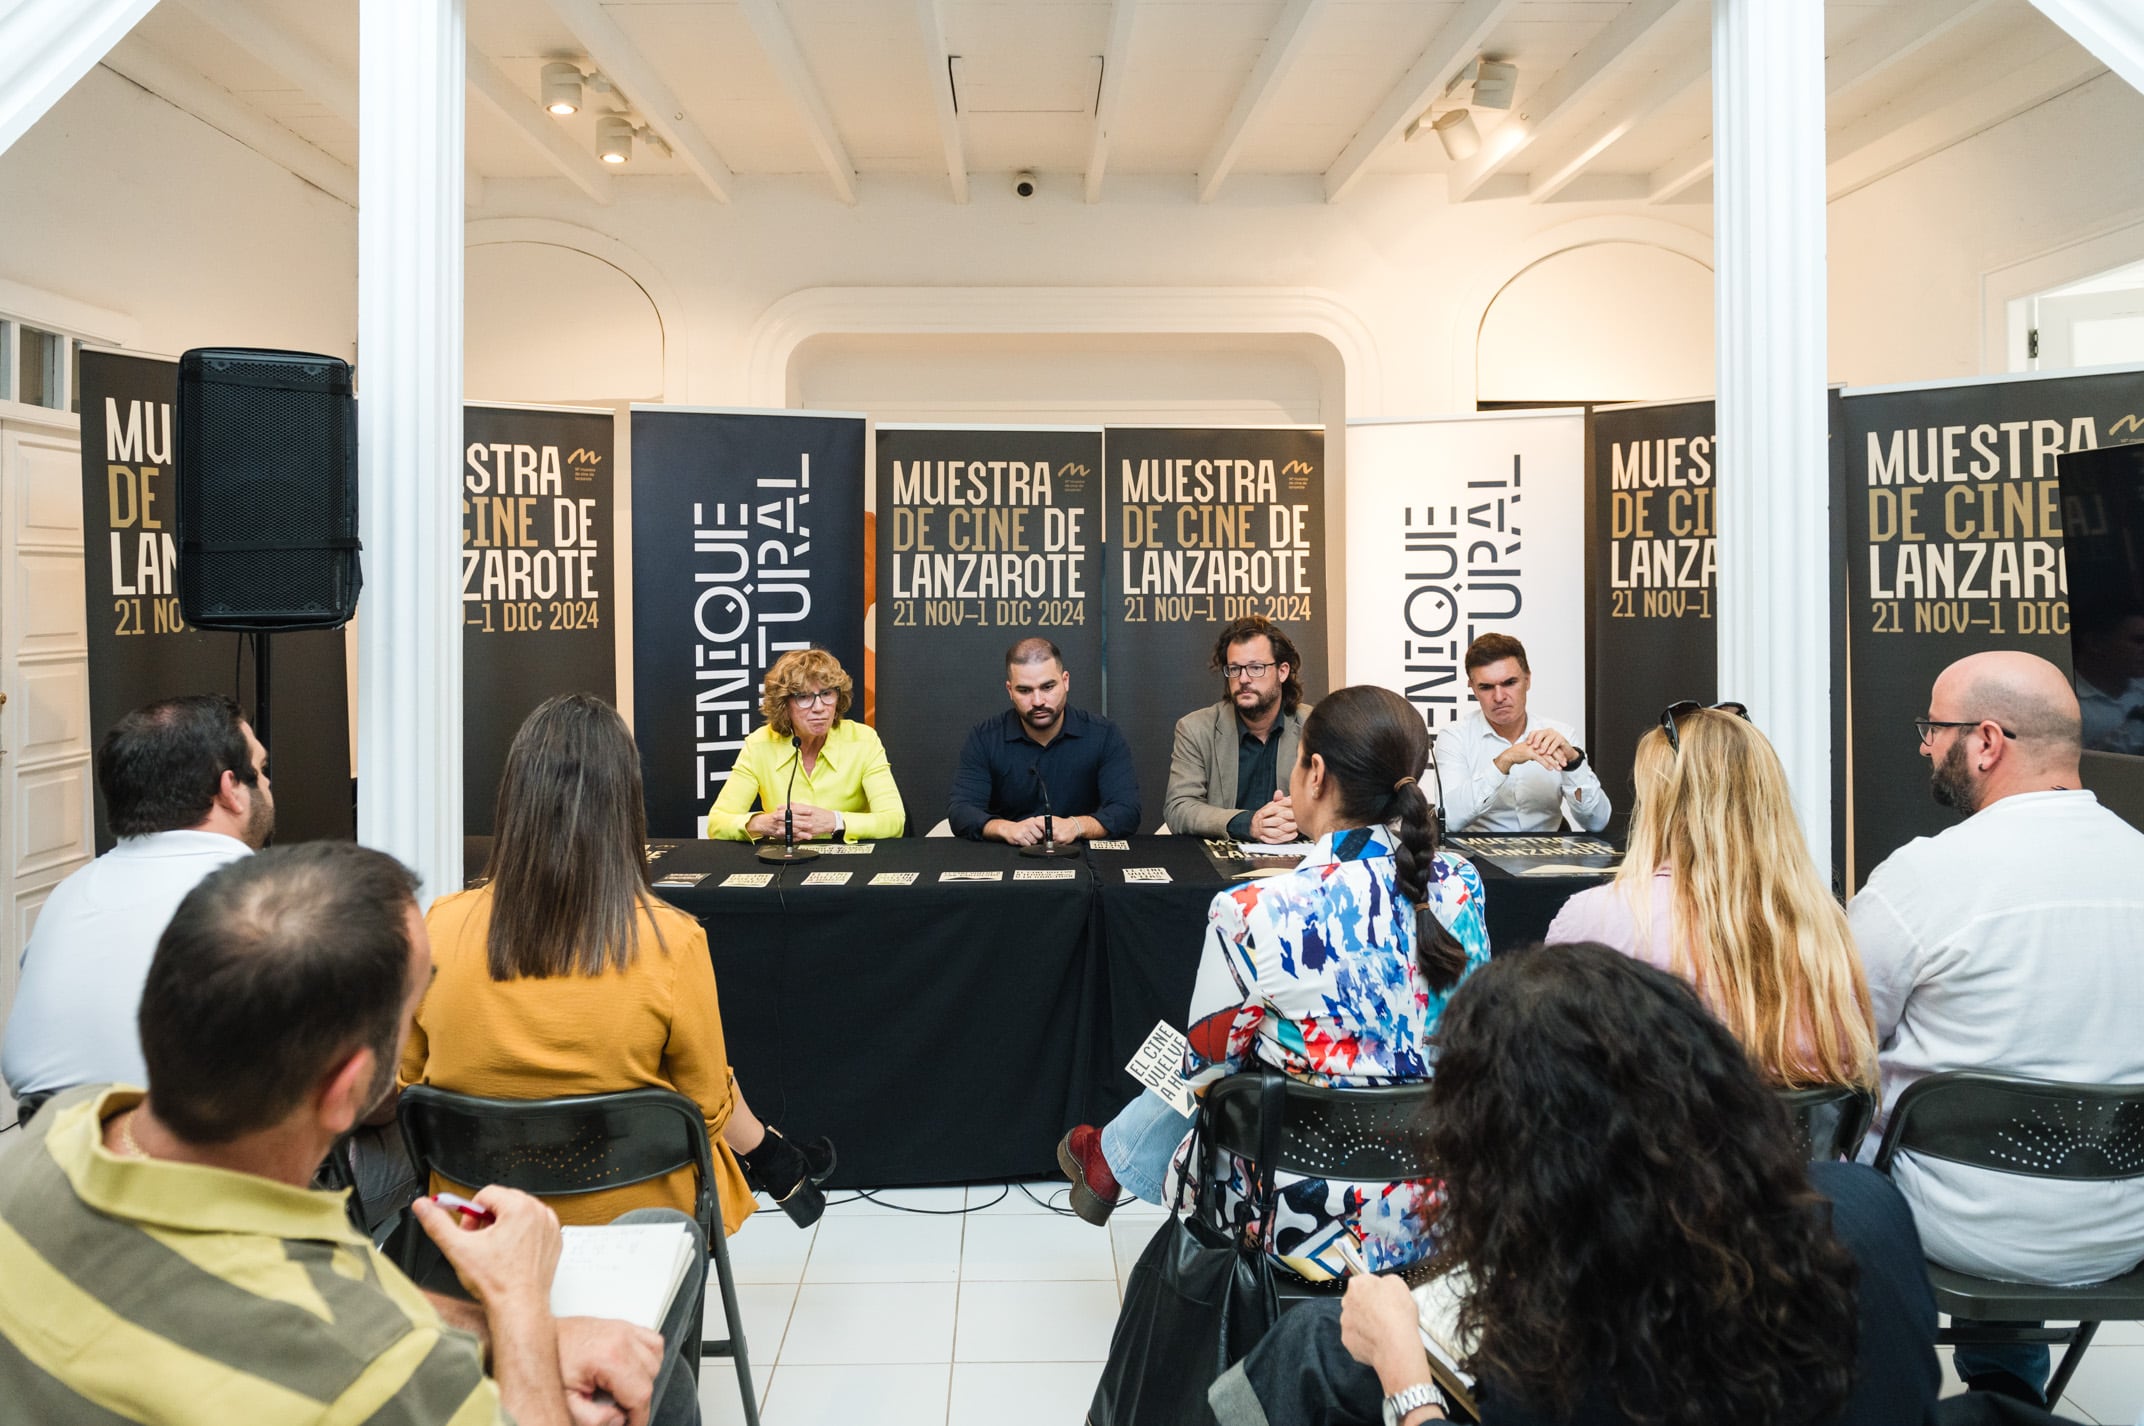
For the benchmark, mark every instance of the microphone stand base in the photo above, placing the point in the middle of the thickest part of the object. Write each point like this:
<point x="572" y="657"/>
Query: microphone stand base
<point x="1051" y="849"/>
<point x="781" y="854"/>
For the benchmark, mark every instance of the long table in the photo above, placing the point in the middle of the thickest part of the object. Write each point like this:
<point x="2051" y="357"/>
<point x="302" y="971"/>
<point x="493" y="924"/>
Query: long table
<point x="950" y="1030"/>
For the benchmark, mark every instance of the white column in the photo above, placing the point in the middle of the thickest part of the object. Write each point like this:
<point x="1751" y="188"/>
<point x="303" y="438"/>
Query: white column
<point x="411" y="92"/>
<point x="1768" y="244"/>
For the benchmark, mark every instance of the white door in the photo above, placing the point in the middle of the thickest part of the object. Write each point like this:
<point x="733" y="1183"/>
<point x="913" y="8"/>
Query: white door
<point x="45" y="825"/>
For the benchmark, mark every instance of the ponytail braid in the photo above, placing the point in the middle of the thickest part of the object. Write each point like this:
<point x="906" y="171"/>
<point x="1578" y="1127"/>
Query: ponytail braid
<point x="1437" y="951"/>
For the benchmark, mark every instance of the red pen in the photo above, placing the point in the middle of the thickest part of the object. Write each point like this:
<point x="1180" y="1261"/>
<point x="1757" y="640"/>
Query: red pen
<point x="474" y="1215"/>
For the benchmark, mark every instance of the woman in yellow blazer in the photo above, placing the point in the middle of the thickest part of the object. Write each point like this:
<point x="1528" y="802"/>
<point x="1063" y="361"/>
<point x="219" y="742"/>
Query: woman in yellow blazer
<point x="843" y="786"/>
<point x="564" y="974"/>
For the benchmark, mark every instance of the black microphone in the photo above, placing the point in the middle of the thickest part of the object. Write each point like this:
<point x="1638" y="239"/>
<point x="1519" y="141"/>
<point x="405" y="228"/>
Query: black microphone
<point x="1438" y="773"/>
<point x="789" y="851"/>
<point x="1050" y="846"/>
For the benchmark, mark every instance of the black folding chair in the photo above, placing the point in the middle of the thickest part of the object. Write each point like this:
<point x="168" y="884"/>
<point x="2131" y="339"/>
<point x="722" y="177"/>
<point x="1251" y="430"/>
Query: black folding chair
<point x="2036" y="1128"/>
<point x="557" y="1147"/>
<point x="1354" y="1135"/>
<point x="1830" y="1120"/>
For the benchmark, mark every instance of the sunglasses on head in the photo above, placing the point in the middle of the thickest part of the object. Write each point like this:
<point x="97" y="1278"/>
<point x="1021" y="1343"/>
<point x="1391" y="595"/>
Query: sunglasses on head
<point x="1669" y="714"/>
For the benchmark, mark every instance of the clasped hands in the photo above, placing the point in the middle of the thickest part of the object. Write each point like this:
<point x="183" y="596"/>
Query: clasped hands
<point x="1545" y="746"/>
<point x="1275" y="822"/>
<point x="810" y="821"/>
<point x="1027" y="831"/>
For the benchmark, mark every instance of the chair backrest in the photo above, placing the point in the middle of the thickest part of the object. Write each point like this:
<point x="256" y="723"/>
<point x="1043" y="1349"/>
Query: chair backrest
<point x="1830" y="1120"/>
<point x="558" y="1147"/>
<point x="1358" y="1135"/>
<point x="2041" y="1128"/>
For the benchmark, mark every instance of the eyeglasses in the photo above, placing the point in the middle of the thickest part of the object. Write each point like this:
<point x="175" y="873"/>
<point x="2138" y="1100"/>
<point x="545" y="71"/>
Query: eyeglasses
<point x="1669" y="714"/>
<point x="813" y="700"/>
<point x="1926" y="727"/>
<point x="1234" y="671"/>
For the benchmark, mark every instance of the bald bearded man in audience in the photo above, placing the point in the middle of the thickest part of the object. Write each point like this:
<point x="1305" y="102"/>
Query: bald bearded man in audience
<point x="2013" y="942"/>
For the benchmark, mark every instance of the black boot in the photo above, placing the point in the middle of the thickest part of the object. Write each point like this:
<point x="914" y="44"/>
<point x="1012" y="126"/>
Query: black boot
<point x="785" y="1174"/>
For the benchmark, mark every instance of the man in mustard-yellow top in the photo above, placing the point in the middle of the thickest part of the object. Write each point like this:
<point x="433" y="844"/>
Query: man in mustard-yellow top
<point x="827" y="773"/>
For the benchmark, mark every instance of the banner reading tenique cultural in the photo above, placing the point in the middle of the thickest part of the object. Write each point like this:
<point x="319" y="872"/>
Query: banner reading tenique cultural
<point x="1953" y="546"/>
<point x="748" y="541"/>
<point x="537" y="576"/>
<point x="986" y="535"/>
<point x="1204" y="526"/>
<point x="141" y="651"/>
<point x="1653" y="571"/>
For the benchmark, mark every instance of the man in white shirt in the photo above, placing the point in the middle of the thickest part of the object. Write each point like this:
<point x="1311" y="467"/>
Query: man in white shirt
<point x="2013" y="942"/>
<point x="185" y="786"/>
<point x="1499" y="769"/>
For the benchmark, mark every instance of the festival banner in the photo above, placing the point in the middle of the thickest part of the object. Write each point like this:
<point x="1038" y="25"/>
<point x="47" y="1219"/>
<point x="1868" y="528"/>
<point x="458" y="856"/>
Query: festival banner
<point x="141" y="650"/>
<point x="986" y="535"/>
<point x="1954" y="544"/>
<point x="1651" y="576"/>
<point x="748" y="541"/>
<point x="537" y="576"/>
<point x="1462" y="527"/>
<point x="1205" y="526"/>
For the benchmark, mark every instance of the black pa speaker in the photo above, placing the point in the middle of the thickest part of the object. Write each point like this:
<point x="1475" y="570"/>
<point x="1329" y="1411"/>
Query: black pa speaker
<point x="267" y="517"/>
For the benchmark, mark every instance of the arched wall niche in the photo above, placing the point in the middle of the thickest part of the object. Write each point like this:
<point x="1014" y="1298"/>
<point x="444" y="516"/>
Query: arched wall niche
<point x="1601" y="321"/>
<point x="602" y="332"/>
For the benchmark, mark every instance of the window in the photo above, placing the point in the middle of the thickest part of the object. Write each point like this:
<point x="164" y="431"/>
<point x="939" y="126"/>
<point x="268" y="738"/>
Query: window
<point x="42" y="374"/>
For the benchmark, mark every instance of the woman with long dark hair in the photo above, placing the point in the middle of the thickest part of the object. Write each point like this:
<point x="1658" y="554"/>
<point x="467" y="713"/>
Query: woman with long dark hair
<point x="1636" y="1236"/>
<point x="1334" y="973"/>
<point x="564" y="974"/>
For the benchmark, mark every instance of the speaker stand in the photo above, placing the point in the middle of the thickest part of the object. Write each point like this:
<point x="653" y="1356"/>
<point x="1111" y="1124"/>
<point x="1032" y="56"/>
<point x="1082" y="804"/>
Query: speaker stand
<point x="260" y="685"/>
<point x="1051" y="849"/>
<point x="784" y="854"/>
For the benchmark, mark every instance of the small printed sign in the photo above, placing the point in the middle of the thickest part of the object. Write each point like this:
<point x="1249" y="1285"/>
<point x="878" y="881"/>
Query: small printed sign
<point x="971" y="876"/>
<point x="678" y="880"/>
<point x="1055" y="873"/>
<point x="847" y="849"/>
<point x="893" y="878"/>
<point x="1159" y="1065"/>
<point x="748" y="878"/>
<point x="1146" y="873"/>
<point x="829" y="878"/>
<point x="1110" y="844"/>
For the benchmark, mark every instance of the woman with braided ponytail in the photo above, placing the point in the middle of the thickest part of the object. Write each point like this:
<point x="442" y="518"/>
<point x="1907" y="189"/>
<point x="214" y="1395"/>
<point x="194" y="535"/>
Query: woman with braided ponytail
<point x="1334" y="973"/>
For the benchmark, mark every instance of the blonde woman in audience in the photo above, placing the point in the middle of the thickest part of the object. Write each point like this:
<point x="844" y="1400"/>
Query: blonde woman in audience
<point x="565" y="975"/>
<point x="1718" y="886"/>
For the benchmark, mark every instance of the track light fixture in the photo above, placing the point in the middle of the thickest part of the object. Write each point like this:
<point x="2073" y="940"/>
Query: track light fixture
<point x="1455" y="130"/>
<point x="562" y="87"/>
<point x="614" y="138"/>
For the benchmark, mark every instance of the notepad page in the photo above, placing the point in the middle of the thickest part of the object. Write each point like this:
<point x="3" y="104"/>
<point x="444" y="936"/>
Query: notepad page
<point x="630" y="1271"/>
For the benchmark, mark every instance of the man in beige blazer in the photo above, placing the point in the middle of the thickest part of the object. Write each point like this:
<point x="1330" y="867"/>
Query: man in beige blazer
<point x="1228" y="776"/>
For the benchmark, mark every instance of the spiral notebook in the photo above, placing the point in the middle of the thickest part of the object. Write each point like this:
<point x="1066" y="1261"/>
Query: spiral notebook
<point x="630" y="1271"/>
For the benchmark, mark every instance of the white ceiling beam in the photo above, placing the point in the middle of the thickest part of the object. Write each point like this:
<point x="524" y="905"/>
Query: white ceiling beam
<point x="1561" y="95"/>
<point x="1459" y="41"/>
<point x="528" y="118"/>
<point x="220" y="109"/>
<point x="2113" y="30"/>
<point x="779" y="39"/>
<point x="939" y="67"/>
<point x="46" y="46"/>
<point x="1950" y="108"/>
<point x="1667" y="87"/>
<point x="259" y="35"/>
<point x="1283" y="47"/>
<point x="622" y="63"/>
<point x="1115" y="60"/>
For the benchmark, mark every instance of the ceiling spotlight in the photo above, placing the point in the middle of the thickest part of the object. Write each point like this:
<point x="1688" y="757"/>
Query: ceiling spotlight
<point x="562" y="87"/>
<point x="1455" y="130"/>
<point x="614" y="138"/>
<point x="1495" y="84"/>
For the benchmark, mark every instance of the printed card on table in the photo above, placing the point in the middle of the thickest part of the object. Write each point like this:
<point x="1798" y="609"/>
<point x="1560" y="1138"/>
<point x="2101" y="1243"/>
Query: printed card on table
<point x="679" y="880"/>
<point x="1159" y="1065"/>
<point x="971" y="876"/>
<point x="1147" y="873"/>
<point x="893" y="878"/>
<point x="1055" y="873"/>
<point x="1107" y="844"/>
<point x="829" y="878"/>
<point x="847" y="849"/>
<point x="748" y="878"/>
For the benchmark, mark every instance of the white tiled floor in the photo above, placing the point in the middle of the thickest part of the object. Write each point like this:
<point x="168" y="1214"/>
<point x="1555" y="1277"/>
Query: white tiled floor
<point x="1004" y="1314"/>
<point x="903" y="1319"/>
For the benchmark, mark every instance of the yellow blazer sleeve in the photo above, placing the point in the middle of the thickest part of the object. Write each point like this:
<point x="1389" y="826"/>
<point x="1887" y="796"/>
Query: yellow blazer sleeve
<point x="740" y="796"/>
<point x="883" y="815"/>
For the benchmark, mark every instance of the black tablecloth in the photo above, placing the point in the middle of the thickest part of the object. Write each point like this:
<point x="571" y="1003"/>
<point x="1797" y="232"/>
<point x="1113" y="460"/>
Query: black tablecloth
<point x="945" y="1032"/>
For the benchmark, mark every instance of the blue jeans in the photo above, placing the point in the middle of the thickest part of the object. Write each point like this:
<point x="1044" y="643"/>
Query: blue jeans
<point x="1140" y="1141"/>
<point x="2027" y="1361"/>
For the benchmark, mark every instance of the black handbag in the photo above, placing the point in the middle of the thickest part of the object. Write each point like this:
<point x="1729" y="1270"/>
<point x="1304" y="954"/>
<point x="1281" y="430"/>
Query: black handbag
<point x="1196" y="1302"/>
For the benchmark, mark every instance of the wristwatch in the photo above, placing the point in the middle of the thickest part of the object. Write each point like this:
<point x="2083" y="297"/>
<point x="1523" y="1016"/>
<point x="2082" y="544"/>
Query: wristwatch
<point x="1578" y="757"/>
<point x="1414" y="1398"/>
<point x="838" y="824"/>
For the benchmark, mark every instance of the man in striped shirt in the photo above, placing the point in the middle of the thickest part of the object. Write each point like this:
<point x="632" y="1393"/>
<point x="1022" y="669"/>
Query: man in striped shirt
<point x="161" y="1256"/>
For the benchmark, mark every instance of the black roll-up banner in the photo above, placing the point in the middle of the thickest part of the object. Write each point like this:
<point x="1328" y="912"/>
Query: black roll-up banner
<point x="1205" y="526"/>
<point x="141" y="651"/>
<point x="1653" y="572"/>
<point x="986" y="535"/>
<point x="1954" y="546"/>
<point x="748" y="541"/>
<point x="537" y="575"/>
<point x="2103" y="548"/>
